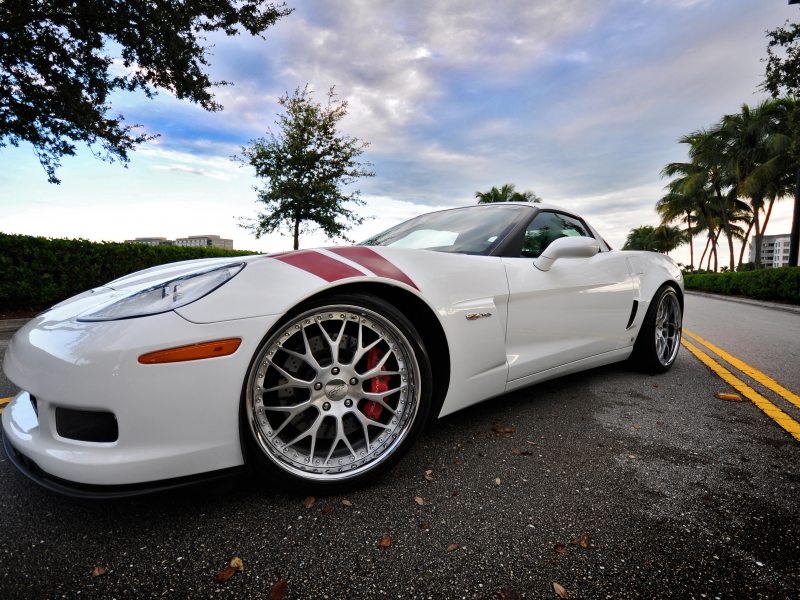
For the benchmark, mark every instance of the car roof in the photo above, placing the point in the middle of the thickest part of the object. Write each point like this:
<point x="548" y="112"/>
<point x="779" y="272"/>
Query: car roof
<point x="538" y="205"/>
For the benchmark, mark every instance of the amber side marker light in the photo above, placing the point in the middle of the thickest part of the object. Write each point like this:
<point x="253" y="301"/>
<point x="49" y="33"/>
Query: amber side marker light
<point x="193" y="352"/>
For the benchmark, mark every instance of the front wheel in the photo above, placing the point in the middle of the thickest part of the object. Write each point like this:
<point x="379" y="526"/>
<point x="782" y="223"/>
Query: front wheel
<point x="336" y="395"/>
<point x="657" y="346"/>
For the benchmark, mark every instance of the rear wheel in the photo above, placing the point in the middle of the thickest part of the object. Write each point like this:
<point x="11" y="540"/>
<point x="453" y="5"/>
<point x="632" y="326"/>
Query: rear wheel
<point x="657" y="346"/>
<point x="336" y="395"/>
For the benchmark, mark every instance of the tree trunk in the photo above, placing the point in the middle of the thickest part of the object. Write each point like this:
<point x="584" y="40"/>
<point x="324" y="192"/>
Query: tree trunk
<point x="710" y="254"/>
<point x="794" y="238"/>
<point x="700" y="264"/>
<point x="757" y="238"/>
<point x="744" y="243"/>
<point x="725" y="223"/>
<point x="715" y="248"/>
<point x="691" y="239"/>
<point x="711" y="232"/>
<point x="297" y="233"/>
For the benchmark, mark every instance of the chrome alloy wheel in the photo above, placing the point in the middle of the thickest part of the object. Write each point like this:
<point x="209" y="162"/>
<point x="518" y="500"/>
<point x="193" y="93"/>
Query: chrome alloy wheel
<point x="668" y="328"/>
<point x="333" y="393"/>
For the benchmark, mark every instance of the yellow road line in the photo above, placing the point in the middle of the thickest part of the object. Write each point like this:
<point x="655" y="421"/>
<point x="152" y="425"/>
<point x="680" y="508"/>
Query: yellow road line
<point x="765" y="380"/>
<point x="772" y="411"/>
<point x="4" y="401"/>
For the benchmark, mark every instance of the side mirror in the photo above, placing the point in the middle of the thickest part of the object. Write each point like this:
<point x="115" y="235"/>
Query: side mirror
<point x="567" y="247"/>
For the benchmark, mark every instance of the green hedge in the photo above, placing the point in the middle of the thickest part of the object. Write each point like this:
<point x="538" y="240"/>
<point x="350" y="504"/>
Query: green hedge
<point x="767" y="284"/>
<point x="37" y="272"/>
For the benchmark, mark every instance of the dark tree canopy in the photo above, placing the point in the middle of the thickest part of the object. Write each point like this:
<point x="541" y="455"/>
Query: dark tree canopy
<point x="305" y="166"/>
<point x="783" y="61"/>
<point x="55" y="57"/>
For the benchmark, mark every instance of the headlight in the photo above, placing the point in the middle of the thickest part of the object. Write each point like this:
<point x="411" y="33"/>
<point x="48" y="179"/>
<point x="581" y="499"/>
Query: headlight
<point x="164" y="296"/>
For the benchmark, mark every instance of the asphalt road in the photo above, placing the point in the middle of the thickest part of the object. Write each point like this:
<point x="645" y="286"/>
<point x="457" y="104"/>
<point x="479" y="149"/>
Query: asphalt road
<point x="683" y="495"/>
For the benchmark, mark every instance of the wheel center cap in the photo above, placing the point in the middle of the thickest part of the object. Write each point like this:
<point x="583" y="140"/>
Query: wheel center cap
<point x="336" y="389"/>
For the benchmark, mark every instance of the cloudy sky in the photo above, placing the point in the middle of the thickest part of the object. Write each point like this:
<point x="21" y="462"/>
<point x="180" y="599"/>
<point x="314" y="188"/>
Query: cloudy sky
<point x="579" y="100"/>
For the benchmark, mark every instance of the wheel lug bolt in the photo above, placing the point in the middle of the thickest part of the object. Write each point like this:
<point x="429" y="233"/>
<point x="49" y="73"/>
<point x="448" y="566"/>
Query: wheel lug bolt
<point x="348" y="403"/>
<point x="353" y="381"/>
<point x="326" y="406"/>
<point x="318" y="386"/>
<point x="335" y="371"/>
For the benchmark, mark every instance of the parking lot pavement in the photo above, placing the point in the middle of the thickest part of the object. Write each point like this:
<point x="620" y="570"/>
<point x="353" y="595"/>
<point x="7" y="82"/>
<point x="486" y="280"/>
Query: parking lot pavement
<point x="684" y="495"/>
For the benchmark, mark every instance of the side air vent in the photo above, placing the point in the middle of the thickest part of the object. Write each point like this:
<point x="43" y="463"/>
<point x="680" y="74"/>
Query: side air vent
<point x="86" y="425"/>
<point x="633" y="314"/>
<point x="35" y="404"/>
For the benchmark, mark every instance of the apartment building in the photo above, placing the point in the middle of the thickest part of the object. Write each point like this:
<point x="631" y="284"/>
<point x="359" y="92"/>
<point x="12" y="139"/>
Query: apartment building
<point x="151" y="241"/>
<point x="208" y="241"/>
<point x="774" y="251"/>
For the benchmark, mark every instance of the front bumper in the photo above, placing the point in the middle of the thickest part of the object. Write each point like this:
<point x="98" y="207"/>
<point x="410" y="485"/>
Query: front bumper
<point x="175" y="420"/>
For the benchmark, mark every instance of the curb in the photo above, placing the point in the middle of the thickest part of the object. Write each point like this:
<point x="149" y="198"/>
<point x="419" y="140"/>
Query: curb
<point x="761" y="303"/>
<point x="10" y="325"/>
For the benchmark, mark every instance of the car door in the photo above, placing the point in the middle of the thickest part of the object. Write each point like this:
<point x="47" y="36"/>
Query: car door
<point x="577" y="309"/>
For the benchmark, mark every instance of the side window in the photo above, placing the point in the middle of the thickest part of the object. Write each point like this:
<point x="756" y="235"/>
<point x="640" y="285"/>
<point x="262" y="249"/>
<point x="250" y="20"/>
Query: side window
<point x="549" y="226"/>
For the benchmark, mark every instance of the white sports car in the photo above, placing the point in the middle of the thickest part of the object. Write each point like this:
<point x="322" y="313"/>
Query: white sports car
<point x="318" y="368"/>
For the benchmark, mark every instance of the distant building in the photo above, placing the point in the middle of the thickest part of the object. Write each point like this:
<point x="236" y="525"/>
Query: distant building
<point x="774" y="251"/>
<point x="206" y="241"/>
<point x="152" y="241"/>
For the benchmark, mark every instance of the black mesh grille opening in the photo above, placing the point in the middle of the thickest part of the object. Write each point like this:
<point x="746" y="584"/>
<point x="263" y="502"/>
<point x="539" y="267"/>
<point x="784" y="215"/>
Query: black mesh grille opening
<point x="86" y="425"/>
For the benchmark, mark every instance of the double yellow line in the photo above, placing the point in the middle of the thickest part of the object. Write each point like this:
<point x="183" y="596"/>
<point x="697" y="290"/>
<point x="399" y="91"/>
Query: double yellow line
<point x="775" y="413"/>
<point x="3" y="402"/>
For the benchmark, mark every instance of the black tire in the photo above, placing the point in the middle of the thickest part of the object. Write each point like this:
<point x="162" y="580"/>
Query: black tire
<point x="290" y="474"/>
<point x="648" y="354"/>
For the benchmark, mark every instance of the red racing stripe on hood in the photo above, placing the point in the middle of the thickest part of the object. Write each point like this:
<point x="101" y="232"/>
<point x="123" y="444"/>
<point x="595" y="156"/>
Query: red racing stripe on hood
<point x="322" y="266"/>
<point x="373" y="261"/>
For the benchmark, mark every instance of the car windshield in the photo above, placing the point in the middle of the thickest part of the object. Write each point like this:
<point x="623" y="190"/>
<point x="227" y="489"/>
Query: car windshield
<point x="475" y="230"/>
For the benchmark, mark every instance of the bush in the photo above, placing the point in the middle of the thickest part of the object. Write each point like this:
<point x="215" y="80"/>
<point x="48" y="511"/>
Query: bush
<point x="767" y="284"/>
<point x="37" y="272"/>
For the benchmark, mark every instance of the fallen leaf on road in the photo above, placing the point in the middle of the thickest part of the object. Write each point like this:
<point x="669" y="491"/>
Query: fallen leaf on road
<point x="309" y="502"/>
<point x="635" y="426"/>
<point x="278" y="590"/>
<point x="457" y="462"/>
<point x="631" y="456"/>
<point x="656" y="385"/>
<point x="497" y="481"/>
<point x="98" y="571"/>
<point x="515" y="451"/>
<point x="424" y="525"/>
<point x="347" y="503"/>
<point x="225" y="574"/>
<point x="478" y="434"/>
<point x="532" y="443"/>
<point x="659" y="423"/>
<point x="527" y="453"/>
<point x="503" y="429"/>
<point x="429" y="471"/>
<point x="237" y="564"/>
<point x="542" y="438"/>
<point x="731" y="397"/>
<point x="560" y="591"/>
<point x="509" y="594"/>
<point x="429" y="478"/>
<point x="427" y="575"/>
<point x="419" y="500"/>
<point x="504" y="435"/>
<point x="455" y="493"/>
<point x="386" y="542"/>
<point x="452" y="547"/>
<point x="560" y="548"/>
<point x="582" y="541"/>
<point x="554" y="415"/>
<point x="328" y="509"/>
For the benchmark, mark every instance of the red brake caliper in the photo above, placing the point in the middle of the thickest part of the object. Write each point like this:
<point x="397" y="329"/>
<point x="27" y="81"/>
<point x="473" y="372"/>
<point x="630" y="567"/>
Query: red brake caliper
<point x="372" y="410"/>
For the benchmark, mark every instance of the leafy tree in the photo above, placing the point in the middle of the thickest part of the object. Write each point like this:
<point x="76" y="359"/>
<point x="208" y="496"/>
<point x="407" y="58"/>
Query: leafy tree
<point x="305" y="166"/>
<point x="783" y="77"/>
<point x="55" y="59"/>
<point x="507" y="193"/>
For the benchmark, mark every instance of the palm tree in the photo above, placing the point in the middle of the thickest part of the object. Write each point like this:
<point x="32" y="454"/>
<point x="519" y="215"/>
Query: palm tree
<point x="692" y="181"/>
<point x="666" y="238"/>
<point x="506" y="193"/>
<point x="675" y="206"/>
<point x="641" y="238"/>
